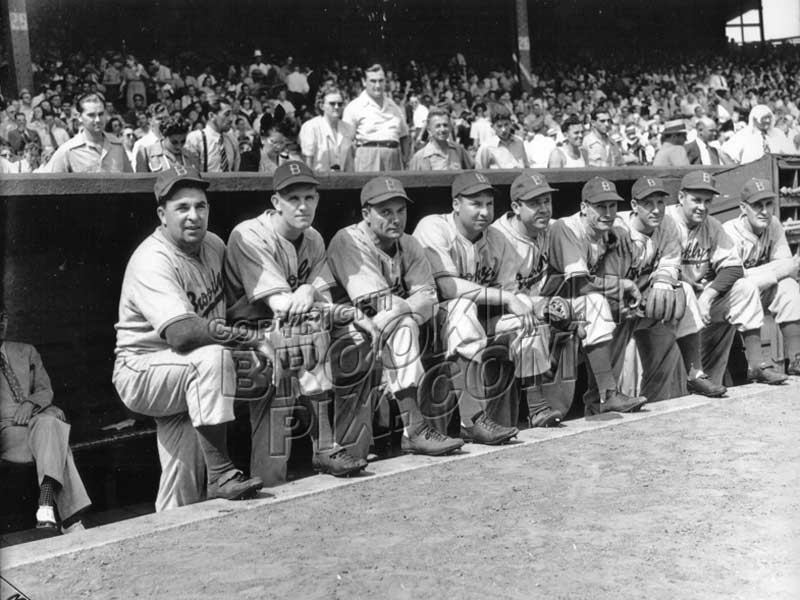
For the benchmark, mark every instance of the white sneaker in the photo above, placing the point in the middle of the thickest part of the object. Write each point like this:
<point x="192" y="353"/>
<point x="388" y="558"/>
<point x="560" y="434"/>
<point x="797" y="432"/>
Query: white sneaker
<point x="46" y="518"/>
<point x="76" y="526"/>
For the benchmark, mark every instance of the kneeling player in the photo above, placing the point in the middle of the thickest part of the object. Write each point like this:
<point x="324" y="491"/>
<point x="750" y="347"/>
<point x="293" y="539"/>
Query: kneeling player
<point x="386" y="274"/>
<point x="711" y="264"/>
<point x="466" y="257"/>
<point x="276" y="272"/>
<point x="761" y="242"/>
<point x="579" y="247"/>
<point x="669" y="308"/>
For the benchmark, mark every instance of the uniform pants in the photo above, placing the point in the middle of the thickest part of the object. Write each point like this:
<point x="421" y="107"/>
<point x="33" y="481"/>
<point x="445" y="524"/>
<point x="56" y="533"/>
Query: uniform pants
<point x="182" y="391"/>
<point x="782" y="301"/>
<point x="370" y="159"/>
<point x="45" y="442"/>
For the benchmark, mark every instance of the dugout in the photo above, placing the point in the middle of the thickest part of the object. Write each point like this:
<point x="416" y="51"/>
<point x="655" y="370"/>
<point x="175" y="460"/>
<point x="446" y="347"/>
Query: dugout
<point x="66" y="239"/>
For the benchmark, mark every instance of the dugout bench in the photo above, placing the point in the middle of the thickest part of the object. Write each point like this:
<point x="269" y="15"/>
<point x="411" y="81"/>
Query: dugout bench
<point x="66" y="239"/>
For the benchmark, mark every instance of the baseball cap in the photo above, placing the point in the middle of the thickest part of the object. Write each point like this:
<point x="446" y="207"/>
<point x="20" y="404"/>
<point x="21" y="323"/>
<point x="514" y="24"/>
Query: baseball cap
<point x="699" y="180"/>
<point x="756" y="189"/>
<point x="645" y="186"/>
<point x="380" y="189"/>
<point x="529" y="184"/>
<point x="176" y="174"/>
<point x="291" y="172"/>
<point x="470" y="183"/>
<point x="599" y="189"/>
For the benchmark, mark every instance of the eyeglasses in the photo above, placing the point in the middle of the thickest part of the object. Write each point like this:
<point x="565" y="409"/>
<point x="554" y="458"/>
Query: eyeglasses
<point x="335" y="103"/>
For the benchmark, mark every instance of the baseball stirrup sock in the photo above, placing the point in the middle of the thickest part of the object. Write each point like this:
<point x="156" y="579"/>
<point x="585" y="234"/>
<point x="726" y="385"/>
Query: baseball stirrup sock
<point x="791" y="339"/>
<point x="599" y="358"/>
<point x="752" y="347"/>
<point x="690" y="350"/>
<point x="321" y="432"/>
<point x="409" y="409"/>
<point x="48" y="491"/>
<point x="214" y="443"/>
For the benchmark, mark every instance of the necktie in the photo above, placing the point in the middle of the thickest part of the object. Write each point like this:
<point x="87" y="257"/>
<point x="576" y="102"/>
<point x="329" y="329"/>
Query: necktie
<point x="764" y="143"/>
<point x="224" y="166"/>
<point x="13" y="382"/>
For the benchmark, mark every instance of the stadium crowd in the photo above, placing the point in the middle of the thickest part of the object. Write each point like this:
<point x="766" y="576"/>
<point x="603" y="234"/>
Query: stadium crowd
<point x="668" y="111"/>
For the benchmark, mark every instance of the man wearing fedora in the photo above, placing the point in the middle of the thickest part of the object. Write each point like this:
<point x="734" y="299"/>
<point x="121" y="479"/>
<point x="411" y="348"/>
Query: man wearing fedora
<point x="672" y="152"/>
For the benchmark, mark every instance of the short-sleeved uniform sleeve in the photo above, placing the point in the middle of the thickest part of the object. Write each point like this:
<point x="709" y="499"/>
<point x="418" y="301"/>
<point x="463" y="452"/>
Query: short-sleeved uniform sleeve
<point x="251" y="265"/>
<point x="432" y="232"/>
<point x="567" y="251"/>
<point x="355" y="265"/>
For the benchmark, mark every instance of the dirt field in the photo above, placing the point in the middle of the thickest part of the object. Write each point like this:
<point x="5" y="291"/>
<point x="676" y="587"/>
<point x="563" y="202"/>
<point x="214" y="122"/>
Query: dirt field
<point x="702" y="503"/>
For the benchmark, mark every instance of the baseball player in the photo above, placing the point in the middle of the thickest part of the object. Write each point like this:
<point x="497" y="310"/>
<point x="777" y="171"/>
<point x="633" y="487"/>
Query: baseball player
<point x="761" y="243"/>
<point x="526" y="228"/>
<point x="386" y="274"/>
<point x="656" y="267"/>
<point x="275" y="269"/>
<point x="466" y="257"/>
<point x="170" y="364"/>
<point x="711" y="264"/>
<point x="580" y="246"/>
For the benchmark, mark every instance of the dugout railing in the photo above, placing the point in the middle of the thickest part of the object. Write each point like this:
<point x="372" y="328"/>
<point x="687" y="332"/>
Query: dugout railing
<point x="65" y="242"/>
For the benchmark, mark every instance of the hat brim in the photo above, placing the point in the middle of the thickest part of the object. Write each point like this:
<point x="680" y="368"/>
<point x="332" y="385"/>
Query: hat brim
<point x="186" y="181"/>
<point x="386" y="196"/>
<point x="702" y="186"/>
<point x="534" y="193"/>
<point x="760" y="196"/>
<point x="650" y="192"/>
<point x="302" y="178"/>
<point x="473" y="189"/>
<point x="605" y="197"/>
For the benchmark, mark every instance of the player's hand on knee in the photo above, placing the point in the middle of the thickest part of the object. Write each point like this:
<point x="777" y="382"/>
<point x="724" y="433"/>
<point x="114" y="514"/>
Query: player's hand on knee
<point x="23" y="413"/>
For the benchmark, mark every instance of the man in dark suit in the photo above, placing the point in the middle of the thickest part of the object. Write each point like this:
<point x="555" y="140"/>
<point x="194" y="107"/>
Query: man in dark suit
<point x="699" y="151"/>
<point x="19" y="137"/>
<point x="33" y="430"/>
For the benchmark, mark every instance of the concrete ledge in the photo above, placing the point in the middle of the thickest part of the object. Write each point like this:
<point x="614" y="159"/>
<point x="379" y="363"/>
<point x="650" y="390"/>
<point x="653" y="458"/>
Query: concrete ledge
<point x="40" y="550"/>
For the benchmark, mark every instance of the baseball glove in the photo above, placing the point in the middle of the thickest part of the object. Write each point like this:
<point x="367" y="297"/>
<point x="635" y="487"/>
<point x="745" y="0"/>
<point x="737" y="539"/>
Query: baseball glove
<point x="665" y="300"/>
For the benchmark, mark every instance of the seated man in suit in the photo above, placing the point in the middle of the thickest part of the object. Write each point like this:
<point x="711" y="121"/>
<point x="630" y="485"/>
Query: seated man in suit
<point x="33" y="430"/>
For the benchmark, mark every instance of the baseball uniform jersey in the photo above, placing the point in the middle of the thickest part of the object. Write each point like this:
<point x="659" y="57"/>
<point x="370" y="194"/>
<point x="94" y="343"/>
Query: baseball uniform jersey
<point x="525" y="264"/>
<point x="260" y="262"/>
<point x="756" y="250"/>
<point x="657" y="253"/>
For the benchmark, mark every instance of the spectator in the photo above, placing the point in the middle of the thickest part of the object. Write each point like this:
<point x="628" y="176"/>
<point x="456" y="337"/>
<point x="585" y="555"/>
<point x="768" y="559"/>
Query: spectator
<point x="22" y="135"/>
<point x="700" y="151"/>
<point x="441" y="153"/>
<point x="91" y="150"/>
<point x="672" y="153"/>
<point x="134" y="76"/>
<point x="112" y="80"/>
<point x="217" y="148"/>
<point x="539" y="142"/>
<point x="259" y="65"/>
<point x="128" y="141"/>
<point x="381" y="131"/>
<point x="156" y="113"/>
<point x="169" y="149"/>
<point x="600" y="150"/>
<point x="54" y="134"/>
<point x="419" y="119"/>
<point x="505" y="150"/>
<point x="32" y="429"/>
<point x="757" y="139"/>
<point x="274" y="139"/>
<point x="289" y="108"/>
<point x="326" y="141"/>
<point x="481" y="130"/>
<point x="571" y="154"/>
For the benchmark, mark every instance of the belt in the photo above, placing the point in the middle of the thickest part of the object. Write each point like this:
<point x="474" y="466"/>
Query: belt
<point x="386" y="144"/>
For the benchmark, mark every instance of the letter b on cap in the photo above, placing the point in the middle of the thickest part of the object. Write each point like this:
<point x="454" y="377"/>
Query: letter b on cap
<point x="294" y="168"/>
<point x="180" y="170"/>
<point x="759" y="186"/>
<point x="606" y="185"/>
<point x="390" y="185"/>
<point x="706" y="177"/>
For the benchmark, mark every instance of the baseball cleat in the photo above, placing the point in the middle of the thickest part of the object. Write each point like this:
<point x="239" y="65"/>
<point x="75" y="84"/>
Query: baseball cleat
<point x="615" y="401"/>
<point x="765" y="373"/>
<point x="235" y="487"/>
<point x="486" y="431"/>
<point x="430" y="442"/>
<point x="794" y="366"/>
<point x="705" y="387"/>
<point x="339" y="463"/>
<point x="547" y="417"/>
